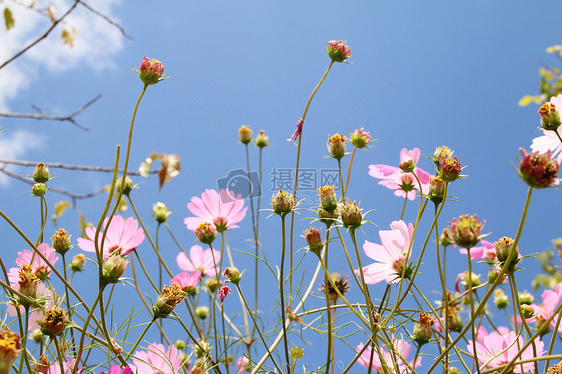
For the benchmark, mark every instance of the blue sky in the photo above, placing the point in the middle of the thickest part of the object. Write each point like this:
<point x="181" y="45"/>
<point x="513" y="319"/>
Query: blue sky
<point x="421" y="75"/>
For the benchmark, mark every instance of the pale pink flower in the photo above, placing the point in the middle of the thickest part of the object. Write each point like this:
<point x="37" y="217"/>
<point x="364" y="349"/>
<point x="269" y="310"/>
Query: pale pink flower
<point x="116" y="369"/>
<point x="485" y="251"/>
<point x="29" y="257"/>
<point x="550" y="301"/>
<point x="187" y="280"/>
<point x="157" y="359"/>
<point x="200" y="260"/>
<point x="242" y="364"/>
<point x="224" y="291"/>
<point x="122" y="237"/>
<point x="390" y="256"/>
<point x="402" y="349"/>
<point x="549" y="141"/>
<point x="67" y="365"/>
<point x="36" y="314"/>
<point x="297" y="132"/>
<point x="499" y="348"/>
<point x="222" y="209"/>
<point x="402" y="183"/>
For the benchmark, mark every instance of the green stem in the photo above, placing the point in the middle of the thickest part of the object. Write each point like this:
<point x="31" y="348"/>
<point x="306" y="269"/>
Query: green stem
<point x="341" y="180"/>
<point x="282" y="294"/>
<point x="140" y="338"/>
<point x="349" y="169"/>
<point x="472" y="315"/>
<point x="365" y="287"/>
<point x="328" y="312"/>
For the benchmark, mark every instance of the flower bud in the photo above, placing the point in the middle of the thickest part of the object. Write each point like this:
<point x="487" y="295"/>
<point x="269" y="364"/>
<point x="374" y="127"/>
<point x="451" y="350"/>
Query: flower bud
<point x="206" y="233"/>
<point x="436" y="189"/>
<point x="494" y="273"/>
<point x="338" y="50"/>
<point x="538" y="170"/>
<point x="407" y="165"/>
<point x="528" y="311"/>
<point x="422" y="329"/>
<point x="526" y="298"/>
<point x="150" y="72"/>
<point x="500" y="299"/>
<point x="449" y="169"/>
<point x="232" y="274"/>
<point x="326" y="217"/>
<point x="53" y="322"/>
<point x="441" y="153"/>
<point x="282" y="203"/>
<point x="296" y="352"/>
<point x="454" y="370"/>
<point x="314" y="241"/>
<point x="41" y="173"/>
<point x="180" y="345"/>
<point x="160" y="212"/>
<point x="168" y="300"/>
<point x="328" y="198"/>
<point x="465" y="231"/>
<point x="77" y="262"/>
<point x="9" y="350"/>
<point x="37" y="336"/>
<point x="201" y="349"/>
<point x="550" y="117"/>
<point x="212" y="284"/>
<point x="360" y="138"/>
<point x="113" y="268"/>
<point x="39" y="189"/>
<point x="224" y="291"/>
<point x="505" y="249"/>
<point x="116" y="348"/>
<point x="445" y="238"/>
<point x="202" y="312"/>
<point x="262" y="140"/>
<point x="61" y="241"/>
<point x="28" y="282"/>
<point x="41" y="366"/>
<point x="245" y="134"/>
<point x="125" y="188"/>
<point x="336" y="146"/>
<point x="350" y="215"/>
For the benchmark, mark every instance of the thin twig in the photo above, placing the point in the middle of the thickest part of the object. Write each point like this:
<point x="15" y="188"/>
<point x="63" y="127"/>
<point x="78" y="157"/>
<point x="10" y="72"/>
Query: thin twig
<point x="70" y="167"/>
<point x="107" y="19"/>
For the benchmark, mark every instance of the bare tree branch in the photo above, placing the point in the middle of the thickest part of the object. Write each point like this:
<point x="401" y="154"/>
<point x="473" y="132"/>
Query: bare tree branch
<point x="107" y="19"/>
<point x="76" y="2"/>
<point x="70" y="167"/>
<point x="43" y="115"/>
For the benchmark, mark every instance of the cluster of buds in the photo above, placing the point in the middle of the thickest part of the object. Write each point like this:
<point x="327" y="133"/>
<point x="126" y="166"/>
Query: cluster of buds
<point x="9" y="350"/>
<point x="167" y="301"/>
<point x="160" y="212"/>
<point x="338" y="50"/>
<point x="465" y="231"/>
<point x="245" y="134"/>
<point x="150" y="71"/>
<point x="53" y="322"/>
<point x="314" y="241"/>
<point x="61" y="242"/>
<point x="283" y="203"/>
<point x="423" y="329"/>
<point x="336" y="145"/>
<point x="360" y="138"/>
<point x="41" y="173"/>
<point x="206" y="233"/>
<point x="538" y="170"/>
<point x="550" y="116"/>
<point x="114" y="268"/>
<point x="262" y="140"/>
<point x="350" y="215"/>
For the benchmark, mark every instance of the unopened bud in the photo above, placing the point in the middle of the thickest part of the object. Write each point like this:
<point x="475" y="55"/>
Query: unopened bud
<point x="53" y="322"/>
<point x="127" y="187"/>
<point x="350" y="215"/>
<point x="61" y="241"/>
<point x="528" y="311"/>
<point x="160" y="212"/>
<point x="328" y="198"/>
<point x="213" y="284"/>
<point x="423" y="329"/>
<point x="407" y="165"/>
<point x="113" y="268"/>
<point x="232" y="274"/>
<point x="262" y="140"/>
<point x="296" y="352"/>
<point x="360" y="138"/>
<point x="336" y="146"/>
<point x="500" y="299"/>
<point x="436" y="189"/>
<point x="206" y="233"/>
<point x="201" y="349"/>
<point x="313" y="239"/>
<point x="41" y="173"/>
<point x="245" y="134"/>
<point x="282" y="203"/>
<point x="77" y="262"/>
<point x="505" y="248"/>
<point x="180" y="344"/>
<point x="202" y="312"/>
<point x="550" y="117"/>
<point x="445" y="238"/>
<point x="39" y="189"/>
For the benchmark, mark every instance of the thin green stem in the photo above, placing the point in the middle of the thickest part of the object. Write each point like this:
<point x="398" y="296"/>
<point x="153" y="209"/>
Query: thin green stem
<point x="328" y="302"/>
<point x="349" y="170"/>
<point x="341" y="180"/>
<point x="361" y="272"/>
<point x="472" y="315"/>
<point x="282" y="294"/>
<point x="144" y="331"/>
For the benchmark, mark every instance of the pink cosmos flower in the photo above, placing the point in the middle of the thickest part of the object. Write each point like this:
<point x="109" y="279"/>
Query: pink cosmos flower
<point x="157" y="359"/>
<point x="29" y="257"/>
<point x="200" y="260"/>
<point x="390" y="256"/>
<point x="548" y="142"/>
<point x="485" y="251"/>
<point x="187" y="280"/>
<point x="242" y="364"/>
<point x="122" y="237"/>
<point x="116" y="369"/>
<point x="402" y="183"/>
<point x="550" y="301"/>
<point x="297" y="132"/>
<point x="36" y="314"/>
<point x="68" y="365"/>
<point x="222" y="209"/>
<point x="498" y="348"/>
<point x="402" y="349"/>
<point x="224" y="291"/>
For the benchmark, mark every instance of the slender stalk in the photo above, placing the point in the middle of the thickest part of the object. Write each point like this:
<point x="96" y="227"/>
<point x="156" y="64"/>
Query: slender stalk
<point x="472" y="315"/>
<point x="342" y="187"/>
<point x="282" y="294"/>
<point x="349" y="169"/>
<point x="140" y="338"/>
<point x="365" y="287"/>
<point x="328" y="302"/>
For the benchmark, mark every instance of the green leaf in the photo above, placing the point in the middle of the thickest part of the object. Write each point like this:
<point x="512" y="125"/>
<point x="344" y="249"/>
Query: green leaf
<point x="8" y="18"/>
<point x="60" y="207"/>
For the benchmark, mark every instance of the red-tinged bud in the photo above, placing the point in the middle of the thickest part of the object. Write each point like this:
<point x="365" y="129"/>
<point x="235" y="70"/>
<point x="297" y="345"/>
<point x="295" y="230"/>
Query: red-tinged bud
<point x="206" y="233"/>
<point x="41" y="366"/>
<point x="407" y="165"/>
<point x="449" y="169"/>
<point x="538" y="170"/>
<point x="445" y="238"/>
<point x="360" y="138"/>
<point x="336" y="145"/>
<point x="245" y="134"/>
<point x="150" y="71"/>
<point x="350" y="215"/>
<point x="41" y="173"/>
<point x="338" y="50"/>
<point x="465" y="231"/>
<point x="53" y="322"/>
<point x="313" y="239"/>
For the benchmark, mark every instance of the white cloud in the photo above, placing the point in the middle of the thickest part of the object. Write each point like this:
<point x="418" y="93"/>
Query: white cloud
<point x="15" y="146"/>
